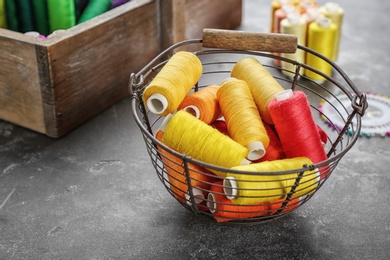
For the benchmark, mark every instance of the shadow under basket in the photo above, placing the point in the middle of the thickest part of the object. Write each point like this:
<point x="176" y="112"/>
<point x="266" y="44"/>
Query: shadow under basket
<point x="192" y="183"/>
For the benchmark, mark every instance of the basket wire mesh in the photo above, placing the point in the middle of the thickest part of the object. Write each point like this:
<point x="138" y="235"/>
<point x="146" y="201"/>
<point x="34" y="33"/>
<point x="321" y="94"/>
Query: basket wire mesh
<point x="217" y="65"/>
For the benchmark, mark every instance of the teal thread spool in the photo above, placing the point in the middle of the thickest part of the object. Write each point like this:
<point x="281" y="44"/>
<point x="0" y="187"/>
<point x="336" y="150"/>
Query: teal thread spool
<point x="11" y="15"/>
<point x="41" y="16"/>
<point x="94" y="8"/>
<point x="24" y="11"/>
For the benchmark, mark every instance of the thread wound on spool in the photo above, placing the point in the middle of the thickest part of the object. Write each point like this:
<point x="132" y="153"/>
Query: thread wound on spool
<point x="173" y="82"/>
<point x="191" y="136"/>
<point x="242" y="117"/>
<point x="321" y="38"/>
<point x="224" y="210"/>
<point x="295" y="126"/>
<point x="261" y="83"/>
<point x="199" y="176"/>
<point x="249" y="189"/>
<point x="203" y="104"/>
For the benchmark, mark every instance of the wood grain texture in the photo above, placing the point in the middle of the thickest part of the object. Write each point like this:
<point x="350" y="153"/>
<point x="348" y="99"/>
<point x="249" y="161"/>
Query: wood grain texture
<point x="240" y="40"/>
<point x="55" y="85"/>
<point x="20" y="96"/>
<point x="185" y="19"/>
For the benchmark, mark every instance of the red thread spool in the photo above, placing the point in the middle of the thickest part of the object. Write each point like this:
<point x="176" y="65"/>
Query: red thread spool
<point x="200" y="177"/>
<point x="203" y="104"/>
<point x="294" y="123"/>
<point x="224" y="210"/>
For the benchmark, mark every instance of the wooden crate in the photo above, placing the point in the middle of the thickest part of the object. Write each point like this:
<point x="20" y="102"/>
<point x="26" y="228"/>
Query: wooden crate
<point x="55" y="85"/>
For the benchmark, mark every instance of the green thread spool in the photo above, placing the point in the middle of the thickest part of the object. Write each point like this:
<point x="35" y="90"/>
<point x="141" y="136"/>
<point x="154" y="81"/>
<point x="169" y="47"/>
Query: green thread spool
<point x="93" y="9"/>
<point x="11" y="15"/>
<point x="41" y="16"/>
<point x="80" y="7"/>
<point x="61" y="14"/>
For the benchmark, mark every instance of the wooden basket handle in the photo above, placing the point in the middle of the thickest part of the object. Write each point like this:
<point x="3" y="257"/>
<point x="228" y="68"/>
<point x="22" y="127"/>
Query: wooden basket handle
<point x="240" y="40"/>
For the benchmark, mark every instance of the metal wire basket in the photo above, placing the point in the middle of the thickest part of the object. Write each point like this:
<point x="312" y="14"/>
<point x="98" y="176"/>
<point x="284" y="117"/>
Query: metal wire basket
<point x="219" y="50"/>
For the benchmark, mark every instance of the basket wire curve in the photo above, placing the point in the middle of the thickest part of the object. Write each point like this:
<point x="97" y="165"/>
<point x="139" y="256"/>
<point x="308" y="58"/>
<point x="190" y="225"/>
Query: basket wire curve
<point x="217" y="64"/>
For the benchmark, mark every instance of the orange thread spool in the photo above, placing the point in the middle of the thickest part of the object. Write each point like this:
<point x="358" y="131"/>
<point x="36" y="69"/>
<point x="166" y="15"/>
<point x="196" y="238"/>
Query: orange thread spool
<point x="274" y="150"/>
<point x="203" y="104"/>
<point x="200" y="177"/>
<point x="224" y="210"/>
<point x="242" y="117"/>
<point x="261" y="83"/>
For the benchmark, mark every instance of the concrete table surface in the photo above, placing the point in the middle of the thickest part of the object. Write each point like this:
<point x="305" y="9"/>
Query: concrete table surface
<point x="94" y="194"/>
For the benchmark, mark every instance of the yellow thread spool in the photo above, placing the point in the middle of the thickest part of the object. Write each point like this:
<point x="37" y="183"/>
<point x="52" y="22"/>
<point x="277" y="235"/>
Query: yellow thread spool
<point x="191" y="136"/>
<point x="321" y="39"/>
<point x="246" y="189"/>
<point x="296" y="25"/>
<point x="3" y="22"/>
<point x="168" y="89"/>
<point x="261" y="83"/>
<point x="334" y="12"/>
<point x="242" y="117"/>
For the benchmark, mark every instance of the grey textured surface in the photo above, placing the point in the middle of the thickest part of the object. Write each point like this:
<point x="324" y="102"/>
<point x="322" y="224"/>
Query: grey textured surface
<point x="93" y="194"/>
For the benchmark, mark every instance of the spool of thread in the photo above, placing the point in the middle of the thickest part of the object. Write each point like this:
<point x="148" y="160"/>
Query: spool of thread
<point x="199" y="176"/>
<point x="295" y="125"/>
<point x="275" y="5"/>
<point x="333" y="11"/>
<point x="221" y="126"/>
<point x="116" y="3"/>
<point x="35" y="35"/>
<point x="321" y="38"/>
<point x="191" y="136"/>
<point x="3" y="19"/>
<point x="41" y="16"/>
<point x="305" y="5"/>
<point x="323" y="135"/>
<point x="261" y="83"/>
<point x="203" y="104"/>
<point x="55" y="33"/>
<point x="296" y="25"/>
<point x="62" y="14"/>
<point x="242" y="117"/>
<point x="224" y="210"/>
<point x="310" y="16"/>
<point x="279" y="15"/>
<point x="249" y="189"/>
<point x="11" y="15"/>
<point x="170" y="86"/>
<point x="80" y="6"/>
<point x="274" y="150"/>
<point x="93" y="9"/>
<point x="25" y="15"/>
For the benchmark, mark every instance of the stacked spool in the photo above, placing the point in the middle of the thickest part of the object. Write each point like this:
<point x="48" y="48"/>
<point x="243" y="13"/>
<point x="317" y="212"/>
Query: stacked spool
<point x="317" y="27"/>
<point x="46" y="18"/>
<point x="248" y="128"/>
